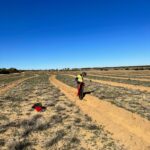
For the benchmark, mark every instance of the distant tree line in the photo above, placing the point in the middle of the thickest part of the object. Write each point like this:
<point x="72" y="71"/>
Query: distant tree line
<point x="105" y="68"/>
<point x="8" y="71"/>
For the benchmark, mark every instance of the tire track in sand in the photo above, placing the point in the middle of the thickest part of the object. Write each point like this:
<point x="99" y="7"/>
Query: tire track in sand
<point x="130" y="129"/>
<point x="116" y="84"/>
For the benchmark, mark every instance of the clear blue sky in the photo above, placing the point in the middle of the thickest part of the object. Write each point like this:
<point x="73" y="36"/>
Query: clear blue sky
<point x="42" y="34"/>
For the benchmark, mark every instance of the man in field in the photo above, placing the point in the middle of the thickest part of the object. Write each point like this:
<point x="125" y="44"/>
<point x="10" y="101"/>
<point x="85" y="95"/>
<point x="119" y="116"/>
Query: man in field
<point x="80" y="84"/>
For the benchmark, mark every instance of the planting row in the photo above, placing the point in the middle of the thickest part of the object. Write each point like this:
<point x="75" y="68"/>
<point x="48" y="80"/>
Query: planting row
<point x="126" y="76"/>
<point x="132" y="100"/>
<point x="127" y="81"/>
<point x="8" y="79"/>
<point x="123" y="76"/>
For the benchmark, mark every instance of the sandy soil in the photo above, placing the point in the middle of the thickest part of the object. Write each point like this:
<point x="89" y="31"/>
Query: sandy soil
<point x="63" y="126"/>
<point x="139" y="79"/>
<point x="123" y="72"/>
<point x="130" y="129"/>
<point x="128" y="86"/>
<point x="12" y="85"/>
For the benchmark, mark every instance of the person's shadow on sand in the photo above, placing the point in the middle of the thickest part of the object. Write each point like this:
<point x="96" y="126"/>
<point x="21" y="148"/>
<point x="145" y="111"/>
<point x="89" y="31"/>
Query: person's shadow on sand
<point x="85" y="93"/>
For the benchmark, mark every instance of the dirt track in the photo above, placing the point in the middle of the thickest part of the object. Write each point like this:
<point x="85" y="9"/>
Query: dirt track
<point x="12" y="84"/>
<point x="130" y="129"/>
<point x="128" y="86"/>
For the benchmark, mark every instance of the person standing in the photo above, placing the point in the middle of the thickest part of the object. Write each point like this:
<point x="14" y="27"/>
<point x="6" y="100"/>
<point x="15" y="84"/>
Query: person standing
<point x="80" y="84"/>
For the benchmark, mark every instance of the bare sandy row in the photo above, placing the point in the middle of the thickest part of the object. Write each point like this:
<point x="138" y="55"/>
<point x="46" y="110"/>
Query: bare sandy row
<point x="138" y="79"/>
<point x="12" y="85"/>
<point x="128" y="128"/>
<point x="122" y="72"/>
<point x="128" y="86"/>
